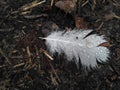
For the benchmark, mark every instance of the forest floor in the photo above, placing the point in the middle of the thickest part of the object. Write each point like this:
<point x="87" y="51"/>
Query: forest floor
<point x="25" y="63"/>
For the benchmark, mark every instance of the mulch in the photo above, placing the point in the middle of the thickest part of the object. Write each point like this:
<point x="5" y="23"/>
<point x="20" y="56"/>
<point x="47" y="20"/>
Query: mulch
<point x="25" y="62"/>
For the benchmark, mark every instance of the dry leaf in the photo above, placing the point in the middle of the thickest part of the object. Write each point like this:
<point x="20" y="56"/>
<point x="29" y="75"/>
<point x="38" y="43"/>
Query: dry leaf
<point x="111" y="15"/>
<point x="105" y="44"/>
<point x="80" y="23"/>
<point x="66" y="5"/>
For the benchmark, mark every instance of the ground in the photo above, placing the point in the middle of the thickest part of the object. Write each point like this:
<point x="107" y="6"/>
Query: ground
<point x="25" y="62"/>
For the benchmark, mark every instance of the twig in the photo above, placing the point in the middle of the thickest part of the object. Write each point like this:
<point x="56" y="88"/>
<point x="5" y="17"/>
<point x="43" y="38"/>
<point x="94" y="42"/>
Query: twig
<point x="87" y="1"/>
<point x="35" y="16"/>
<point x="31" y="5"/>
<point x="3" y="66"/>
<point x="28" y="54"/>
<point x="115" y="3"/>
<point x="54" y="72"/>
<point x="53" y="79"/>
<point x="18" y="65"/>
<point x="48" y="56"/>
<point x="37" y="51"/>
<point x="117" y="17"/>
<point x="94" y="4"/>
<point x="52" y="1"/>
<point x="46" y="53"/>
<point x="100" y="26"/>
<point x="28" y="64"/>
<point x="114" y="15"/>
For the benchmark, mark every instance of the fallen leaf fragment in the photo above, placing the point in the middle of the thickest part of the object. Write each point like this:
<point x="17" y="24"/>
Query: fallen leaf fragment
<point x="110" y="16"/>
<point x="105" y="44"/>
<point x="66" y="5"/>
<point x="80" y="23"/>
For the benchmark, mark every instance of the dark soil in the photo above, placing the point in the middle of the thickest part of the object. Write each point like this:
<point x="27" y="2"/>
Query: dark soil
<point x="24" y="64"/>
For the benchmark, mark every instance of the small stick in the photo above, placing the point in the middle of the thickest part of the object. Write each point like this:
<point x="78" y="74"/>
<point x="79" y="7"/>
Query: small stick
<point x="52" y="1"/>
<point x="117" y="17"/>
<point x="18" y="65"/>
<point x="3" y="66"/>
<point x="28" y="53"/>
<point x="37" y="51"/>
<point x="31" y="5"/>
<point x="100" y="26"/>
<point x="53" y="79"/>
<point x="35" y="16"/>
<point x="46" y="53"/>
<point x="87" y="1"/>
<point x="48" y="56"/>
<point x="54" y="72"/>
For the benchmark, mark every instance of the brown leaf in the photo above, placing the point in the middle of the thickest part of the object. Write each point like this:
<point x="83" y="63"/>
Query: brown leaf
<point x="80" y="23"/>
<point x="66" y="5"/>
<point x="105" y="44"/>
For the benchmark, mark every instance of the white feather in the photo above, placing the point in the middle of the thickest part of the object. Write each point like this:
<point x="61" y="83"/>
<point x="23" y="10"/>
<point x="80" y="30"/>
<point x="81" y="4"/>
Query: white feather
<point x="75" y="44"/>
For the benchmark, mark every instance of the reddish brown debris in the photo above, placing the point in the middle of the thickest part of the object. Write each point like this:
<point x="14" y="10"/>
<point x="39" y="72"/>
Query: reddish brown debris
<point x="80" y="23"/>
<point x="67" y="5"/>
